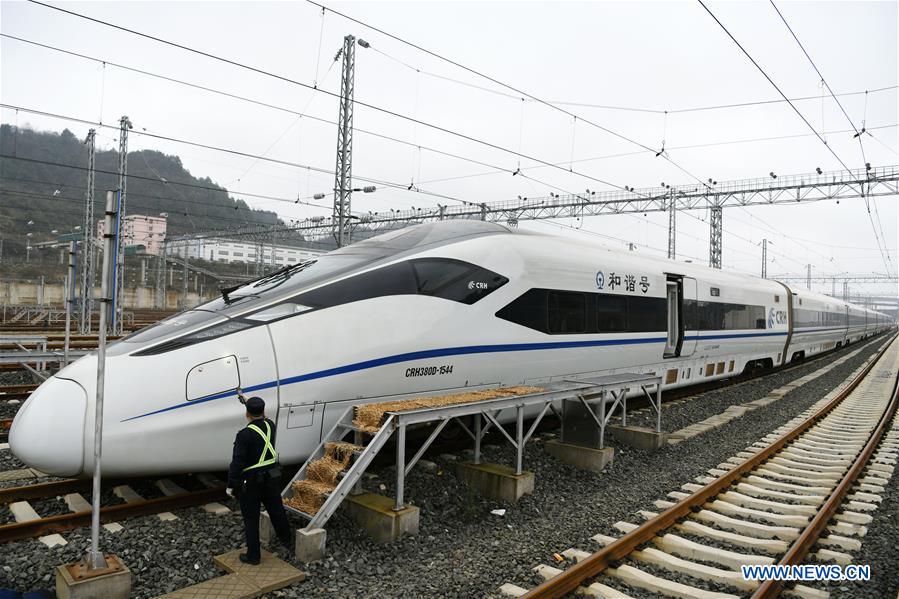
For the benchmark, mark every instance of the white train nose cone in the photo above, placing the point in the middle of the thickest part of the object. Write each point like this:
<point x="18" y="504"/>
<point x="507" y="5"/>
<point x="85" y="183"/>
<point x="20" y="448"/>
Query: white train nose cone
<point x="48" y="432"/>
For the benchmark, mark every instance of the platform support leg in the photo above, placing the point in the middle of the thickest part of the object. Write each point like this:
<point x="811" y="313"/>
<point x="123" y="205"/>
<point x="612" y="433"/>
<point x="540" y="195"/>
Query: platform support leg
<point x="519" y="438"/>
<point x="659" y="407"/>
<point x="358" y="439"/>
<point x="400" y="466"/>
<point x="477" y="438"/>
<point x="602" y="419"/>
<point x="624" y="407"/>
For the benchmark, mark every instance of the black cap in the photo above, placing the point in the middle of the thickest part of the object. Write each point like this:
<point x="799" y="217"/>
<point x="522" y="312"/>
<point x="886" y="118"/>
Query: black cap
<point x="255" y="406"/>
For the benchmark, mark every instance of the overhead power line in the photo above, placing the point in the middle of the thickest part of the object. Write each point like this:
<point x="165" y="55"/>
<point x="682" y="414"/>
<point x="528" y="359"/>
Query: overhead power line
<point x="884" y="255"/>
<point x="311" y="87"/>
<point x="497" y="169"/>
<point x="858" y="134"/>
<point x="232" y="151"/>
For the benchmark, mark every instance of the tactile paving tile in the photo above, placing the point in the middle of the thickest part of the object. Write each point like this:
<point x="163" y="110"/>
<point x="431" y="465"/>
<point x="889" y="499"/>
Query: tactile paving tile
<point x="231" y="586"/>
<point x="271" y="574"/>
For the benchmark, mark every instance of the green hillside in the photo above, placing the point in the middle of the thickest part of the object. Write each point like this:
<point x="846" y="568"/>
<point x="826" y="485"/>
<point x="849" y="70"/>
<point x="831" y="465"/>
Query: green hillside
<point x="52" y="196"/>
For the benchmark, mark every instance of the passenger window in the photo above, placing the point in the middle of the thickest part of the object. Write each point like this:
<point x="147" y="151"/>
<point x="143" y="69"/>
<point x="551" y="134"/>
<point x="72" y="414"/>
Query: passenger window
<point x="611" y="313"/>
<point x="529" y="310"/>
<point x="567" y="312"/>
<point x="647" y="314"/>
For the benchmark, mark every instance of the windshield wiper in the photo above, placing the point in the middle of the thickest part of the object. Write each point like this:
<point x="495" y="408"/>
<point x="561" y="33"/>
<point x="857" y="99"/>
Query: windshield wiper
<point x="226" y="291"/>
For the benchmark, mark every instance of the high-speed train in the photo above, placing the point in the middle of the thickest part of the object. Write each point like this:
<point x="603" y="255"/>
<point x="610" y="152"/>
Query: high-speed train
<point x="433" y="308"/>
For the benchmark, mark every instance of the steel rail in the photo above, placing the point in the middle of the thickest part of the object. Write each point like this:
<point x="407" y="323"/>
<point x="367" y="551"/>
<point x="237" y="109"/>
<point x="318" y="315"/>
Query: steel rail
<point x="570" y="579"/>
<point x="8" y="390"/>
<point x="41" y="490"/>
<point x="809" y="536"/>
<point x="64" y="522"/>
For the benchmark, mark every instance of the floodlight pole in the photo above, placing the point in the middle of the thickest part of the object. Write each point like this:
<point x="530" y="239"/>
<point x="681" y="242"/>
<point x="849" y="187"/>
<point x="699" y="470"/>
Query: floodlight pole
<point x="95" y="558"/>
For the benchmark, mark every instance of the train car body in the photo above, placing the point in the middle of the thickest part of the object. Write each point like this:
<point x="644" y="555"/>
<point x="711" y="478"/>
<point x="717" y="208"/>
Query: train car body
<point x="435" y="308"/>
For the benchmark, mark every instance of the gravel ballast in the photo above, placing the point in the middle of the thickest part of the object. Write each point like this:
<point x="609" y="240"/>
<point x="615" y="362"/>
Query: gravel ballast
<point x="463" y="550"/>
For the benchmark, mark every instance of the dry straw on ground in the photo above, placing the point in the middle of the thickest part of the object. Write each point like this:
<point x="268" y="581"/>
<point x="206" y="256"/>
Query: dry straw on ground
<point x="321" y="477"/>
<point x="370" y="417"/>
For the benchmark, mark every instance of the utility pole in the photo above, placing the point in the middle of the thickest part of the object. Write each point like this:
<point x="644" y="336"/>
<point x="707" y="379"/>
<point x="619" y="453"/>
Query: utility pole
<point x="715" y="229"/>
<point x="95" y="558"/>
<point x="87" y="241"/>
<point x="845" y="291"/>
<point x="833" y="287"/>
<point x="672" y="214"/>
<point x="343" y="173"/>
<point x="808" y="277"/>
<point x="159" y="300"/>
<point x="184" y="278"/>
<point x="69" y="297"/>
<point x="764" y="258"/>
<point x="118" y="287"/>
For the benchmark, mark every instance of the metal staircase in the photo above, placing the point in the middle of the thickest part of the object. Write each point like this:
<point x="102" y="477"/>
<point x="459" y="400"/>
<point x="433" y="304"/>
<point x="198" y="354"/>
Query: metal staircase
<point x="348" y="480"/>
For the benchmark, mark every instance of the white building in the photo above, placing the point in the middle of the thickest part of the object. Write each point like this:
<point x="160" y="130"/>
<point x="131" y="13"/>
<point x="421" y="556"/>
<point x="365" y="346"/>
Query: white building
<point x="226" y="250"/>
<point x="140" y="229"/>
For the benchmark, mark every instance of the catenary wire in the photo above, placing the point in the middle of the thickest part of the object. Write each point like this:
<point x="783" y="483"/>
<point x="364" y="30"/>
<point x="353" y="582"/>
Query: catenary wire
<point x="308" y="86"/>
<point x="884" y="255"/>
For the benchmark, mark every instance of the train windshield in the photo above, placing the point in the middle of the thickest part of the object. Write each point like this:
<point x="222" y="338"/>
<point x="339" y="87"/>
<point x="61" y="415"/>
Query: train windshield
<point x="288" y="281"/>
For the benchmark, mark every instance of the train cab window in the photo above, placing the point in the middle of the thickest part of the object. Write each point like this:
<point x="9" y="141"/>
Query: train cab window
<point x="611" y="313"/>
<point x="396" y="279"/>
<point x="567" y="312"/>
<point x="455" y="280"/>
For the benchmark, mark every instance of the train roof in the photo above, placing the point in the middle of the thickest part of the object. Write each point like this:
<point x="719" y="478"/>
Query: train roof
<point x="419" y="236"/>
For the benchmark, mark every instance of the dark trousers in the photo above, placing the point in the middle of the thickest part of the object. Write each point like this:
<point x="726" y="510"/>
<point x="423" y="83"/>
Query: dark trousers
<point x="268" y="494"/>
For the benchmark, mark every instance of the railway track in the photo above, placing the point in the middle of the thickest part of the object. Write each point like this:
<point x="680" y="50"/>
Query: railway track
<point x="17" y="392"/>
<point x="5" y="425"/>
<point x="803" y="493"/>
<point x="30" y="525"/>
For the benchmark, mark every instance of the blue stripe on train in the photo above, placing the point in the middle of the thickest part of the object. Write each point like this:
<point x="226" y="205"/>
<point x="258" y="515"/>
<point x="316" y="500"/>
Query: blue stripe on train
<point x="448" y="351"/>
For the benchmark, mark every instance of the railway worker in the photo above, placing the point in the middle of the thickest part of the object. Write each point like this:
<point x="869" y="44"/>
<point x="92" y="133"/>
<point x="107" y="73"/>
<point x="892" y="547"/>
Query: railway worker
<point x="253" y="478"/>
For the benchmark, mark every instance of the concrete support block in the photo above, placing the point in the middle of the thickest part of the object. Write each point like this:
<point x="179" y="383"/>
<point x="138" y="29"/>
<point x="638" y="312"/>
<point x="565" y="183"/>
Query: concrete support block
<point x="639" y="437"/>
<point x="496" y="481"/>
<point x="375" y="514"/>
<point x="74" y="581"/>
<point x="585" y="458"/>
<point x="266" y="529"/>
<point x="310" y="544"/>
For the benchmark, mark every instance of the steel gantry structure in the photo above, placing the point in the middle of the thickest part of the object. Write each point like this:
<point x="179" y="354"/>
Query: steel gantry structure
<point x="789" y="189"/>
<point x="343" y="171"/>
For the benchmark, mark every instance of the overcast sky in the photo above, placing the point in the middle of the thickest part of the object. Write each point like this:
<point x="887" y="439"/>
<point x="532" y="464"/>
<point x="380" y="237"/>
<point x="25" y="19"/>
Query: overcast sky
<point x="655" y="56"/>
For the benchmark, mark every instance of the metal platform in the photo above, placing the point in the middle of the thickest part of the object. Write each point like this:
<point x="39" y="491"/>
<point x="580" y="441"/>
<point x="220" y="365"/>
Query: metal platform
<point x="605" y="392"/>
<point x="32" y="353"/>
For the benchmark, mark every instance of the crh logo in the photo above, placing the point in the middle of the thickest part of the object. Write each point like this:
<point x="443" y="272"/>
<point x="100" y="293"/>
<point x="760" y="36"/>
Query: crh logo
<point x="477" y="285"/>
<point x="776" y="317"/>
<point x="600" y="280"/>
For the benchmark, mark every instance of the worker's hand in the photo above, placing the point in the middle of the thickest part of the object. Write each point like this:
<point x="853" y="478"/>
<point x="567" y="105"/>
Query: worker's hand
<point x="229" y="492"/>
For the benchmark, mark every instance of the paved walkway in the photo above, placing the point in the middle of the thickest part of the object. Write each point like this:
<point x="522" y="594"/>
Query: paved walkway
<point x="243" y="581"/>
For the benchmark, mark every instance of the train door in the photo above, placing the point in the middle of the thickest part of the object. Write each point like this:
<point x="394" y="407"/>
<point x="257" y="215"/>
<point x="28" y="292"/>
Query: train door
<point x="688" y="298"/>
<point x="679" y="290"/>
<point x="673" y="338"/>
